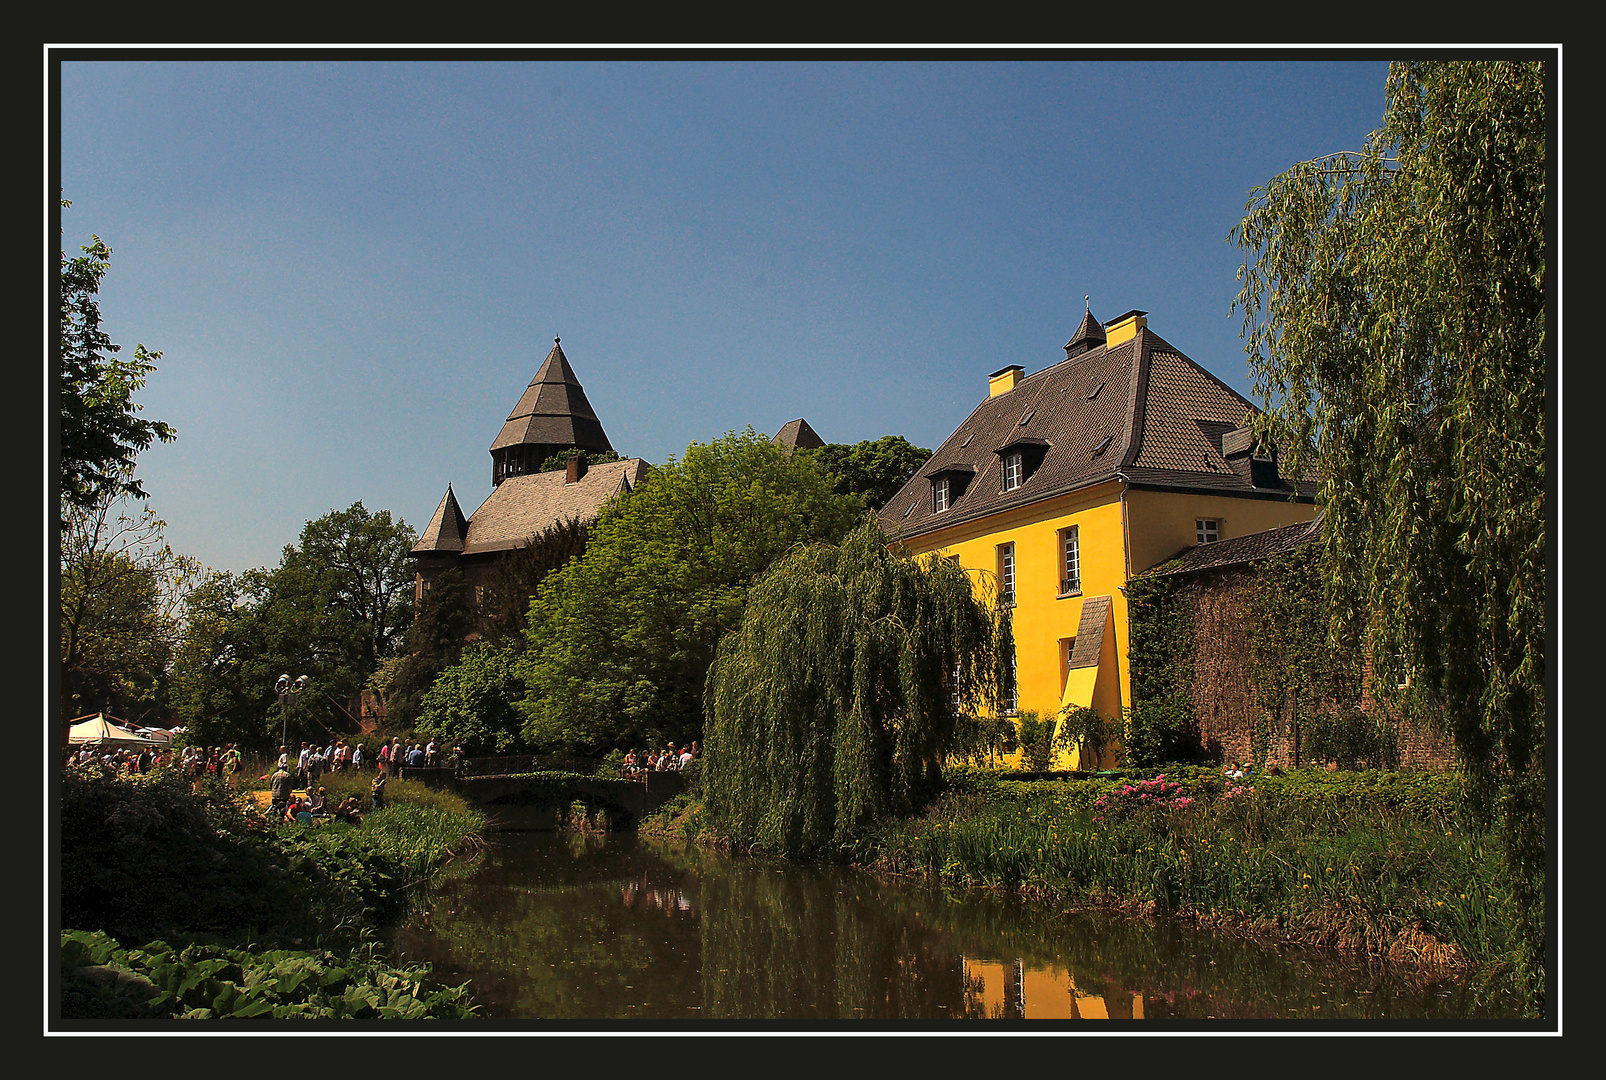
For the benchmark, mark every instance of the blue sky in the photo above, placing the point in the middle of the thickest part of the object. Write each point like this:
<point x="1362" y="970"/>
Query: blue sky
<point x="353" y="269"/>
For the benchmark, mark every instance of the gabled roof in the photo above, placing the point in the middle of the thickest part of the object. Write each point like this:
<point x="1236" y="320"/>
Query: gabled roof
<point x="796" y="433"/>
<point x="1132" y="411"/>
<point x="446" y="530"/>
<point x="522" y="506"/>
<point x="553" y="411"/>
<point x="1241" y="550"/>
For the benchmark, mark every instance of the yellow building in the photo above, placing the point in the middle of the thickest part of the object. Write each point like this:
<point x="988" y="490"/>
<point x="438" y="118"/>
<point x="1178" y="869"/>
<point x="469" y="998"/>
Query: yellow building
<point x="1063" y="484"/>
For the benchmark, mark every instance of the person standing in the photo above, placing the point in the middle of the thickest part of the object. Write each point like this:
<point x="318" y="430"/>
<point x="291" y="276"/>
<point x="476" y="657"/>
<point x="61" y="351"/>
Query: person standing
<point x="356" y="757"/>
<point x="377" y="790"/>
<point x="279" y="787"/>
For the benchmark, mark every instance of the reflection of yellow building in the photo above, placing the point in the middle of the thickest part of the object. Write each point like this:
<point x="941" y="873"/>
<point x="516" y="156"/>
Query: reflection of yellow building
<point x="996" y="990"/>
<point x="1063" y="484"/>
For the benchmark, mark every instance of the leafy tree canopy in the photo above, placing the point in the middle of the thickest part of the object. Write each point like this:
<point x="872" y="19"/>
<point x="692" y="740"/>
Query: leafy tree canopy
<point x="334" y="606"/>
<point x="872" y="470"/>
<point x="837" y="699"/>
<point x="101" y="429"/>
<point x="474" y="703"/>
<point x="621" y="638"/>
<point x="1394" y="312"/>
<point x="121" y="586"/>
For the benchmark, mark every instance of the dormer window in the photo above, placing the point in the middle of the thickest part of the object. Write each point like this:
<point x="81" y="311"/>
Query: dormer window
<point x="1019" y="458"/>
<point x="1014" y="470"/>
<point x="948" y="484"/>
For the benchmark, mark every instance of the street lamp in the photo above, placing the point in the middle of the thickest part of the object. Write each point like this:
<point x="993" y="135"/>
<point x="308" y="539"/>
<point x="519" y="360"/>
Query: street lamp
<point x="285" y="688"/>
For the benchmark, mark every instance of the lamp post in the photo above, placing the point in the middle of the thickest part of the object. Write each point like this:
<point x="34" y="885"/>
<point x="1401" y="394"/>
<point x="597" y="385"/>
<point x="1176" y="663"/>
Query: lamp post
<point x="285" y="688"/>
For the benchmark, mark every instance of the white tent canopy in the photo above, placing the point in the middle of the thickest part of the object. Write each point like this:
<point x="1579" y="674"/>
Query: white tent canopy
<point x="99" y="731"/>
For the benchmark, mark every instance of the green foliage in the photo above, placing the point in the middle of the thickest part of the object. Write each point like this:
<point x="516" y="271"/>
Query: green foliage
<point x="101" y="429"/>
<point x="1394" y="314"/>
<point x="561" y="459"/>
<point x="620" y="639"/>
<point x="1085" y="729"/>
<point x="474" y="703"/>
<point x="1161" y="730"/>
<point x="1351" y="739"/>
<point x="836" y="701"/>
<point x="1036" y="739"/>
<point x="118" y="629"/>
<point x="1300" y="671"/>
<point x="982" y="740"/>
<point x="514" y="579"/>
<point x="446" y="616"/>
<point x="1372" y="862"/>
<point x="331" y="608"/>
<point x="872" y="470"/>
<point x="102" y="980"/>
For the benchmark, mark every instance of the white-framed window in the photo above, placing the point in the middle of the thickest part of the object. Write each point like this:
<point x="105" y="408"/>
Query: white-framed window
<point x="1009" y="698"/>
<point x="954" y="696"/>
<point x="1014" y="470"/>
<point x="1006" y="574"/>
<point x="1070" y="560"/>
<point x="939" y="494"/>
<point x="1208" y="530"/>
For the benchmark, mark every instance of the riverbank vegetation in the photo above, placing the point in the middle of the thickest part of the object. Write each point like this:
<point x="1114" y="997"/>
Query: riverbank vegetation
<point x="160" y="865"/>
<point x="1377" y="863"/>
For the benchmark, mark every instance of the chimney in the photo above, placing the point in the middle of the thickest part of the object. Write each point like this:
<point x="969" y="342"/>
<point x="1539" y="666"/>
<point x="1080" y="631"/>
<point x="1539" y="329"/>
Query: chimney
<point x="1124" y="328"/>
<point x="1003" y="380"/>
<point x="576" y="469"/>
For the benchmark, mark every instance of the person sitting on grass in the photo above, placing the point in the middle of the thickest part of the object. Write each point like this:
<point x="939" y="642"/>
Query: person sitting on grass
<point x="349" y="810"/>
<point x="316" y="803"/>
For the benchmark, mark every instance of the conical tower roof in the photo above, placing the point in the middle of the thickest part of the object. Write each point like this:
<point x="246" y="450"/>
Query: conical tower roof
<point x="553" y="411"/>
<point x="1089" y="335"/>
<point x="447" y="530"/>
<point x="797" y="433"/>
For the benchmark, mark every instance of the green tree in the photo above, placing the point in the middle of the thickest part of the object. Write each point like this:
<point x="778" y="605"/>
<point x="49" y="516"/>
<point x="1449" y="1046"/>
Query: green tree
<point x="333" y="607"/>
<point x="1394" y="313"/>
<point x="446" y="619"/>
<point x="474" y="703"/>
<point x="872" y="470"/>
<point x="121" y="587"/>
<point x="620" y="639"/>
<point x="515" y="578"/>
<point x="101" y="429"/>
<point x="835" y="703"/>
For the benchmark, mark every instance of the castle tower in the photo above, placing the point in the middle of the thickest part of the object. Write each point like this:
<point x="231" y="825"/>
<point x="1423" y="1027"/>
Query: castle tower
<point x="551" y="416"/>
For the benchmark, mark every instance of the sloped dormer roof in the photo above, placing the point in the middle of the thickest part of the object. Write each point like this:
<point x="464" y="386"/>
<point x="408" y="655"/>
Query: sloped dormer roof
<point x="1134" y="410"/>
<point x="446" y="530"/>
<point x="553" y="411"/>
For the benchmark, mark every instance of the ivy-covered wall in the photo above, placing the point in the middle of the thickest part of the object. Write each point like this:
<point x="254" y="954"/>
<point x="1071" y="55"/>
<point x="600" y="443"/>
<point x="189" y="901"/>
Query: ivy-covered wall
<point x="1234" y="664"/>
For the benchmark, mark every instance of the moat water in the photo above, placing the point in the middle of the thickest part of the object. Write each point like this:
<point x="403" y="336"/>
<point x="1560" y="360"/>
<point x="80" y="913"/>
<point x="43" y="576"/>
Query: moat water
<point x="554" y="926"/>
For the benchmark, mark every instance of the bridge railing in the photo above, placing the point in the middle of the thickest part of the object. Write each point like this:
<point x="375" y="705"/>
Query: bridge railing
<point x="513" y="764"/>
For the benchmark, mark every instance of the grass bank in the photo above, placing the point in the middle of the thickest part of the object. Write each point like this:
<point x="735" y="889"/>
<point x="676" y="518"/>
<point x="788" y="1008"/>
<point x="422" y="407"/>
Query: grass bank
<point x="160" y="867"/>
<point x="1374" y="862"/>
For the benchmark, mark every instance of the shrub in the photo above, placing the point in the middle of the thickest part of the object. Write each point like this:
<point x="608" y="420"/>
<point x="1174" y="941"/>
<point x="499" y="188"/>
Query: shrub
<point x="1162" y="730"/>
<point x="1036" y="740"/>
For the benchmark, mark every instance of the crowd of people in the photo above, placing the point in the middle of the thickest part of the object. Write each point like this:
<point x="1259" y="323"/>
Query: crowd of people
<point x="196" y="761"/>
<point x="670" y="759"/>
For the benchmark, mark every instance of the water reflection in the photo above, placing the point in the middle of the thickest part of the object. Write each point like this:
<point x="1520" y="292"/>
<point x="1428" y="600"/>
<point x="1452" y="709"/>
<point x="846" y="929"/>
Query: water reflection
<point x="552" y="927"/>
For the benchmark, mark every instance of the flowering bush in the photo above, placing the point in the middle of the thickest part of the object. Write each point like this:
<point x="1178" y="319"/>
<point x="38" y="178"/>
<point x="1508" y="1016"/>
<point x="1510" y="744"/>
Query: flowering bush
<point x="1127" y="799"/>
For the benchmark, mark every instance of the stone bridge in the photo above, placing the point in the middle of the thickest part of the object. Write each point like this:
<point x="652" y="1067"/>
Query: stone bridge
<point x="539" y="800"/>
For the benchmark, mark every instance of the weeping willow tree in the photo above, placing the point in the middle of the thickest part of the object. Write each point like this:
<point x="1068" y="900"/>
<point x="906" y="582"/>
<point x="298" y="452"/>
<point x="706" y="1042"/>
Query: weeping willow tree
<point x="835" y="702"/>
<point x="1394" y="313"/>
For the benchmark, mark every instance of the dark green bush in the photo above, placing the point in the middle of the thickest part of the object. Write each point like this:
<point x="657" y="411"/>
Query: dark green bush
<point x="1037" y="740"/>
<point x="1162" y="730"/>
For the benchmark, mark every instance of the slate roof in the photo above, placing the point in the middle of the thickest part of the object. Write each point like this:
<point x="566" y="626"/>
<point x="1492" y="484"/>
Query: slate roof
<point x="1241" y="550"/>
<point x="446" y="529"/>
<point x="1132" y="410"/>
<point x="796" y="433"/>
<point x="553" y="411"/>
<point x="521" y="506"/>
<point x="1090" y="632"/>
